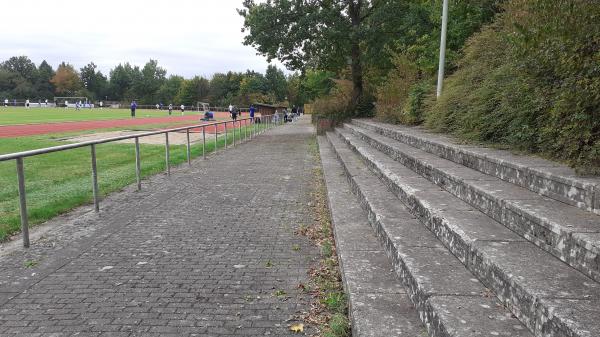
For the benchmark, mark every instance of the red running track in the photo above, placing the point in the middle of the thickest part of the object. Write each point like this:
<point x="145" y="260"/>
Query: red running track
<point x="8" y="131"/>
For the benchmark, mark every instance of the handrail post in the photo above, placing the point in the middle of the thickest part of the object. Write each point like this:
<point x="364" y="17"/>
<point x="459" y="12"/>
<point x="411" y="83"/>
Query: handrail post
<point x="189" y="151"/>
<point x="23" y="203"/>
<point x="95" y="179"/>
<point x="203" y="142"/>
<point x="138" y="164"/>
<point x="167" y="153"/>
<point x="233" y="130"/>
<point x="245" y="129"/>
<point x="226" y="135"/>
<point x="216" y="139"/>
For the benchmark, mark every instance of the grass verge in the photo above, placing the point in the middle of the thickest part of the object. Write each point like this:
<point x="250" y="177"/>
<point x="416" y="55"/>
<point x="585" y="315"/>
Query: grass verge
<point x="329" y="310"/>
<point x="60" y="181"/>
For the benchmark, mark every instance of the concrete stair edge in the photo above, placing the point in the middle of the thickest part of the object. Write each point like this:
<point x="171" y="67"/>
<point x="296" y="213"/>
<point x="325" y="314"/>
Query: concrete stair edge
<point x="569" y="235"/>
<point x="541" y="318"/>
<point x="547" y="178"/>
<point x="378" y="303"/>
<point x="446" y="313"/>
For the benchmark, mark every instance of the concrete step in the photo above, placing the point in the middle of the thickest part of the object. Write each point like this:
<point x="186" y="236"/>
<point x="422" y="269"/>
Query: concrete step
<point x="379" y="304"/>
<point x="569" y="233"/>
<point x="450" y="301"/>
<point x="548" y="296"/>
<point x="542" y="176"/>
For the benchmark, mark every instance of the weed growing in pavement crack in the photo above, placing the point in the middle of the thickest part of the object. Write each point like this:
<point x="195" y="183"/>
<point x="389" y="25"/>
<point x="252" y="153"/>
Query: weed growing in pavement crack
<point x="329" y="310"/>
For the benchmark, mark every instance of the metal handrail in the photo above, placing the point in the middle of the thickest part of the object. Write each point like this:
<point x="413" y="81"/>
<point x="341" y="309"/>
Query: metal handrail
<point x="18" y="156"/>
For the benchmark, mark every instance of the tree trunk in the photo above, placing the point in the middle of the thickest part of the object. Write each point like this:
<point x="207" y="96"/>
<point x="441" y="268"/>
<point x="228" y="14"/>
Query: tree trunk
<point x="354" y="10"/>
<point x="357" y="77"/>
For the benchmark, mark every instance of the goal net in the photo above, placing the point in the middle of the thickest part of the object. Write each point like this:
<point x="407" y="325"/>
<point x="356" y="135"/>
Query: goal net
<point x="203" y="107"/>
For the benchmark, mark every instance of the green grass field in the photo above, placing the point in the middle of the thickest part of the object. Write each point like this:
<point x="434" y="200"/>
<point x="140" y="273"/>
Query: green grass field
<point x="51" y="192"/>
<point x="20" y="115"/>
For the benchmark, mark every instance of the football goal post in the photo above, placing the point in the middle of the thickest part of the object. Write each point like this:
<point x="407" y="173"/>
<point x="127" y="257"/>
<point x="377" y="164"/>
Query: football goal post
<point x="203" y="107"/>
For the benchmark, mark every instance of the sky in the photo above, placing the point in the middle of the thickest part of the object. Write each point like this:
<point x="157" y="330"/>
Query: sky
<point x="187" y="37"/>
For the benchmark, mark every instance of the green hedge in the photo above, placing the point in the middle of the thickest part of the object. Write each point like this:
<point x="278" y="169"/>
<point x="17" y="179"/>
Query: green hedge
<point x="530" y="80"/>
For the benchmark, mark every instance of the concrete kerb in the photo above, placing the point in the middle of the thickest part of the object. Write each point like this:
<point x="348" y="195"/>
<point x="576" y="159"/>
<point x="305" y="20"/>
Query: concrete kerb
<point x="524" y="301"/>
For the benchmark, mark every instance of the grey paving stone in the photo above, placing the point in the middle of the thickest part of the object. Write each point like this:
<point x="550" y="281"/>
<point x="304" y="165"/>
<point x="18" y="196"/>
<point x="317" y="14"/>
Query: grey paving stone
<point x="370" y="272"/>
<point x="385" y="315"/>
<point x="580" y="316"/>
<point x="186" y="256"/>
<point x="473" y="316"/>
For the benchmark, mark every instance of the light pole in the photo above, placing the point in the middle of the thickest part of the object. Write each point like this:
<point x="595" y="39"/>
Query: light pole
<point x="442" y="48"/>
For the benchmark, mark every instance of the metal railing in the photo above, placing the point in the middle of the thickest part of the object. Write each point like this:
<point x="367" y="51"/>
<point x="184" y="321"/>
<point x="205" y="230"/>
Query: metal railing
<point x="266" y="122"/>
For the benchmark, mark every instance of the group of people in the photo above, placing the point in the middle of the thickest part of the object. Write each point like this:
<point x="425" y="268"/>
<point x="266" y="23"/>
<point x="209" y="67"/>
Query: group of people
<point x="27" y="103"/>
<point x="289" y="116"/>
<point x="234" y="111"/>
<point x="134" y="106"/>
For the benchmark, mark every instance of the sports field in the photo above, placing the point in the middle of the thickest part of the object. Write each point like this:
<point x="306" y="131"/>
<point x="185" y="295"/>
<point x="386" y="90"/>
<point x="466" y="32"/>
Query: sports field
<point x="51" y="192"/>
<point x="21" y="115"/>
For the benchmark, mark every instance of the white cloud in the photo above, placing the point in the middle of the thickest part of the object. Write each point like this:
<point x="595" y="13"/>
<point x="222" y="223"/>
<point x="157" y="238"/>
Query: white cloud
<point x="187" y="37"/>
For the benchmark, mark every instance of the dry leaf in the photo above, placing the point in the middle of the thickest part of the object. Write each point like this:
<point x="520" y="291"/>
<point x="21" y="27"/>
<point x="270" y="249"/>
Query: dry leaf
<point x="297" y="327"/>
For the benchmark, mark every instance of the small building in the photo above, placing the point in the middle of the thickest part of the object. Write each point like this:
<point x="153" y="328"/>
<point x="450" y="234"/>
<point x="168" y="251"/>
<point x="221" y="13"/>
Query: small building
<point x="267" y="109"/>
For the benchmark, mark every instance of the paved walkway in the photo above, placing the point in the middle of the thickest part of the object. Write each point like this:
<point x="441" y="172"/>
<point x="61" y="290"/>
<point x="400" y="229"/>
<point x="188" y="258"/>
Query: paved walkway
<point x="202" y="253"/>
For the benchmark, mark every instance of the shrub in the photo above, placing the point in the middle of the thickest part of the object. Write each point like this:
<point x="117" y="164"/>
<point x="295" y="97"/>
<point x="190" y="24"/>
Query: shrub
<point x="530" y="80"/>
<point x="336" y="105"/>
<point x="393" y="94"/>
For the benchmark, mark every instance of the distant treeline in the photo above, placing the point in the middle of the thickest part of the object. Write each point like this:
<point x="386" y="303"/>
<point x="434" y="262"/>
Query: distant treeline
<point x="21" y="79"/>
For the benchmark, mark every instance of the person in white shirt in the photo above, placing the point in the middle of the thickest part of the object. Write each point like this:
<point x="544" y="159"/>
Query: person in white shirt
<point x="6" y="102"/>
<point x="101" y="104"/>
<point x="27" y="103"/>
<point x="182" y="109"/>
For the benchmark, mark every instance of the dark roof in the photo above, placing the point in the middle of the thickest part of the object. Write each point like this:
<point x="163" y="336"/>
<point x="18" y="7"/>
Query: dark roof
<point x="270" y="106"/>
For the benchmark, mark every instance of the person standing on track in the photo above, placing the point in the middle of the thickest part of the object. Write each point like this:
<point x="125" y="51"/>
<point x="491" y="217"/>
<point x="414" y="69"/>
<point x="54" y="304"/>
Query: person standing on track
<point x="234" y="113"/>
<point x="170" y="109"/>
<point x="6" y="102"/>
<point x="133" y="107"/>
<point x="252" y="113"/>
<point x="182" y="109"/>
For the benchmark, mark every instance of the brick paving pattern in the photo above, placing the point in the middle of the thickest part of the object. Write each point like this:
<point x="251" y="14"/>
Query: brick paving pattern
<point x="201" y="253"/>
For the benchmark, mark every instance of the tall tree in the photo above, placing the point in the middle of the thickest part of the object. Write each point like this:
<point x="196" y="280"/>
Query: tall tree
<point x="45" y="89"/>
<point x="168" y="90"/>
<point x="193" y="91"/>
<point x="276" y="83"/>
<point x="301" y="33"/>
<point x="66" y="80"/>
<point x="94" y="81"/>
<point x="152" y="77"/>
<point x="23" y="66"/>
<point x="121" y="80"/>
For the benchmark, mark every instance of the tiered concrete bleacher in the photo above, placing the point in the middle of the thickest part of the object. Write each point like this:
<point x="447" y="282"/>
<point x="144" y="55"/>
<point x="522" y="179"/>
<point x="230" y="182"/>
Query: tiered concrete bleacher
<point x="466" y="227"/>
